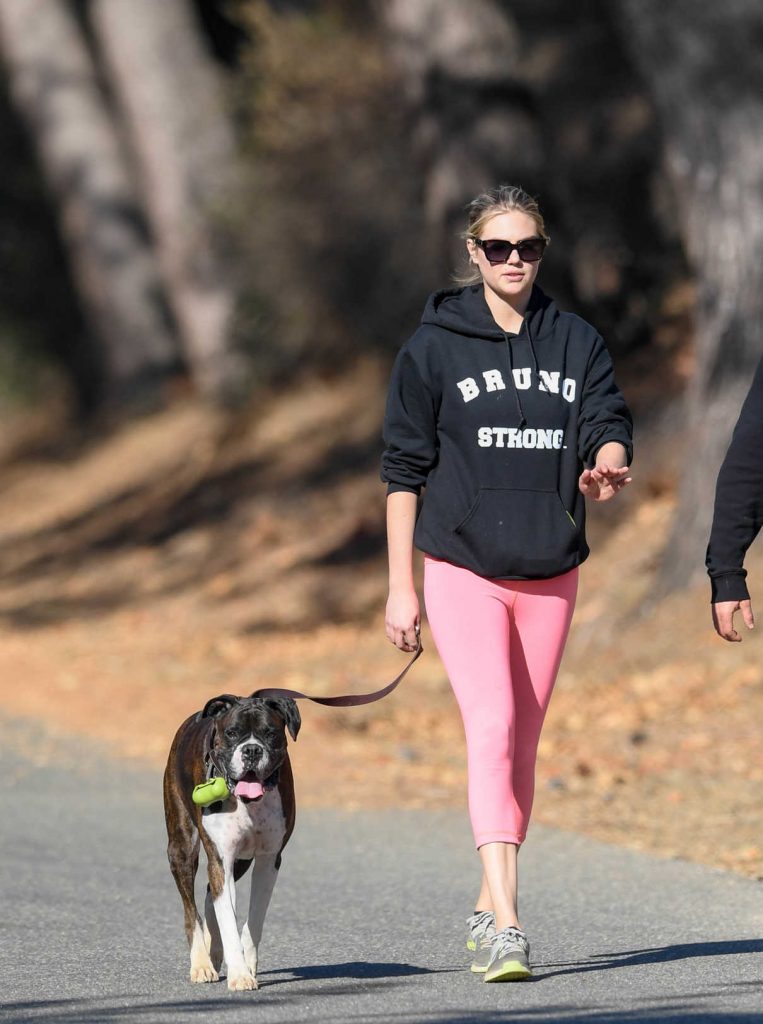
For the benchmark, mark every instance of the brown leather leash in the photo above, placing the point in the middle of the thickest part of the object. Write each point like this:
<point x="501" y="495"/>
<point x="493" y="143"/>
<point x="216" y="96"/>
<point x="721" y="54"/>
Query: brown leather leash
<point x="348" y="700"/>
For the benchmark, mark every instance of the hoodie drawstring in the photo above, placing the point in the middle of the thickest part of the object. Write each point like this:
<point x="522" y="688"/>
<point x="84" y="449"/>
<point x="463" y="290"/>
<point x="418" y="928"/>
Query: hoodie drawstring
<point x="532" y="350"/>
<point x="517" y="399"/>
<point x="520" y="410"/>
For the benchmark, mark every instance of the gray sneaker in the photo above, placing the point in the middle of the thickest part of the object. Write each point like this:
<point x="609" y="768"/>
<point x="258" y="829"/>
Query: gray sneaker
<point x="479" y="943"/>
<point x="509" y="956"/>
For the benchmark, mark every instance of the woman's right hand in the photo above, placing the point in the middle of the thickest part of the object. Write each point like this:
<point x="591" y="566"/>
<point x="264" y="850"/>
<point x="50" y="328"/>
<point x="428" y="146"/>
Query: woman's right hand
<point x="723" y="618"/>
<point x="403" y="619"/>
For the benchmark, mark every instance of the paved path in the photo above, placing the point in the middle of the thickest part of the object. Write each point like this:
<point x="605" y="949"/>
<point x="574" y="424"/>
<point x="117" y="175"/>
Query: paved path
<point x="366" y="923"/>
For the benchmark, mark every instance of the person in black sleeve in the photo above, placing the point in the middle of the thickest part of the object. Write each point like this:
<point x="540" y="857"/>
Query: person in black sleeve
<point x="738" y="515"/>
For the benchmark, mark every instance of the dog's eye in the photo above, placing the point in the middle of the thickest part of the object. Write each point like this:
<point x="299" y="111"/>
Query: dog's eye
<point x="230" y="734"/>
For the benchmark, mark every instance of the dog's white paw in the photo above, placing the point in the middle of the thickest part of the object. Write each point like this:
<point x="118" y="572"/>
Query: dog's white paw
<point x="241" y="981"/>
<point x="203" y="973"/>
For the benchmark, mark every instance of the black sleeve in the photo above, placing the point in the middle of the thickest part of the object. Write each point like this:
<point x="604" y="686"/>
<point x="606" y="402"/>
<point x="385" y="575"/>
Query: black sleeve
<point x="410" y="428"/>
<point x="738" y="513"/>
<point x="604" y="416"/>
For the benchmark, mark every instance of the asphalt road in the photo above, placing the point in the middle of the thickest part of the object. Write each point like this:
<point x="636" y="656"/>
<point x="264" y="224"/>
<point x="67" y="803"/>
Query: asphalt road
<point x="367" y="921"/>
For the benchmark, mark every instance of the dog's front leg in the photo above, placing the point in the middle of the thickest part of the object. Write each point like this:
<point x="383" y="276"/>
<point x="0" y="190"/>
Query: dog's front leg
<point x="212" y="938"/>
<point x="264" y="875"/>
<point x="222" y="885"/>
<point x="183" y="854"/>
<point x="240" y="978"/>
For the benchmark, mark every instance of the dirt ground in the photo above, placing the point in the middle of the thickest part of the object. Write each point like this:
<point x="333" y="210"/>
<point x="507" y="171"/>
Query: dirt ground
<point x="184" y="555"/>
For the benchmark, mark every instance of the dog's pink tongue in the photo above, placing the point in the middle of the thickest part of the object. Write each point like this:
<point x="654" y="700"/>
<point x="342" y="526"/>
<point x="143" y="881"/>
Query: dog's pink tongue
<point x="251" y="790"/>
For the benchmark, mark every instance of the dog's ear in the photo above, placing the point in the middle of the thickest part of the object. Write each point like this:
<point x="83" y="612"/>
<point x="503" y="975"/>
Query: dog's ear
<point x="288" y="710"/>
<point x="218" y="705"/>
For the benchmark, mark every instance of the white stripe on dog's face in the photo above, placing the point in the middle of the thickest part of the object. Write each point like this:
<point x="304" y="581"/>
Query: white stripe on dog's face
<point x="237" y="760"/>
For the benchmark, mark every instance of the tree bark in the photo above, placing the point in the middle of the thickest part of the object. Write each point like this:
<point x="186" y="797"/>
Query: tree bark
<point x="476" y="125"/>
<point x="183" y="141"/>
<point x="706" y="77"/>
<point x="54" y="86"/>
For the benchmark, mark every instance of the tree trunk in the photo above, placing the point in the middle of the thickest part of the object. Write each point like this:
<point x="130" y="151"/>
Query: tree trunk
<point x="54" y="86"/>
<point x="706" y="77"/>
<point x="183" y="141"/>
<point x="475" y="122"/>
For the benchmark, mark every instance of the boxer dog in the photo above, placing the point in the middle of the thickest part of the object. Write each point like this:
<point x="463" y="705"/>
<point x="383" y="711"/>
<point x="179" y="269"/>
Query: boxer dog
<point x="243" y="741"/>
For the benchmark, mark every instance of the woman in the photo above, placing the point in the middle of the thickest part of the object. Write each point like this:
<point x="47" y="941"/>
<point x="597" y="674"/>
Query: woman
<point x="506" y="410"/>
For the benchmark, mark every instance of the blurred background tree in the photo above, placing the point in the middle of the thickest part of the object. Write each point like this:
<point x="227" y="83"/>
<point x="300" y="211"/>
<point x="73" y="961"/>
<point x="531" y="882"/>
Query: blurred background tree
<point x="54" y="85"/>
<point x="181" y="136"/>
<point x="705" y="74"/>
<point x="227" y="193"/>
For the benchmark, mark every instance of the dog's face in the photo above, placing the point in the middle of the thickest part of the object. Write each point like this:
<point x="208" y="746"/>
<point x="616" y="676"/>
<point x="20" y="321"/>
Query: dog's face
<point x="248" y="740"/>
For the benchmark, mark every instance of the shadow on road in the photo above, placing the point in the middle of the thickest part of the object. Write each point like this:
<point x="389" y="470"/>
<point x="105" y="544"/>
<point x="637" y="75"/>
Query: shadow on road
<point x="656" y="955"/>
<point x="553" y="1013"/>
<point x="92" y="1011"/>
<point x="95" y="1011"/>
<point x="360" y="969"/>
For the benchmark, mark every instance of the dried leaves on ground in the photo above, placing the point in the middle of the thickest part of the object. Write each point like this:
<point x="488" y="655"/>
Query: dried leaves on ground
<point x="186" y="554"/>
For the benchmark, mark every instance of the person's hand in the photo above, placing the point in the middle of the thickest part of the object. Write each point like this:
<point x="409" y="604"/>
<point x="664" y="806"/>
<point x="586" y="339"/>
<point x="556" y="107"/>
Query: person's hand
<point x="403" y="619"/>
<point x="723" y="618"/>
<point x="603" y="482"/>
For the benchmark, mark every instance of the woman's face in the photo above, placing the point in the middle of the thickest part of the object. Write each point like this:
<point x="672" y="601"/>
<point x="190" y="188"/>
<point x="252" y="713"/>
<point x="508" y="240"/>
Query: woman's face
<point x="513" y="280"/>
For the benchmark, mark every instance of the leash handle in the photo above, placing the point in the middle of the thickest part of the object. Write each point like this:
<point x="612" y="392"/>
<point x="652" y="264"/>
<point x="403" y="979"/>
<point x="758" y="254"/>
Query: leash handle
<point x="349" y="700"/>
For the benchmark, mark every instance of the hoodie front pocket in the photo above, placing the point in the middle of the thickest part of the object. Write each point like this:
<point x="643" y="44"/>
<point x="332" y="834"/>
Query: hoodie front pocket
<point x="524" y="533"/>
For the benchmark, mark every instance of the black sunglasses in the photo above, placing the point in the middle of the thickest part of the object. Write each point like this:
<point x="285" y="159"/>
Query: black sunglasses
<point x="497" y="250"/>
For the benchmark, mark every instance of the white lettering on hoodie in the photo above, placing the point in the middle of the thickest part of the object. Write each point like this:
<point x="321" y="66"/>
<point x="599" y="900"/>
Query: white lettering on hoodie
<point x="548" y="381"/>
<point x="468" y="388"/>
<point x="513" y="437"/>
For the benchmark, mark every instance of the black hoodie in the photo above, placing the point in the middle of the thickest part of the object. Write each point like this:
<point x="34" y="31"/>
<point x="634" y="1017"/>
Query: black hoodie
<point x="498" y="428"/>
<point x="738" y="514"/>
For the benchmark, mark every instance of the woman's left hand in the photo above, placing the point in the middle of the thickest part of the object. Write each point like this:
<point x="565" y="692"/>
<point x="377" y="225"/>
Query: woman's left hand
<point x="603" y="482"/>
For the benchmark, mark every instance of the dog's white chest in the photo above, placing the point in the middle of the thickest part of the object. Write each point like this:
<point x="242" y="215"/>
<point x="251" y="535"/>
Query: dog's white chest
<point x="248" y="829"/>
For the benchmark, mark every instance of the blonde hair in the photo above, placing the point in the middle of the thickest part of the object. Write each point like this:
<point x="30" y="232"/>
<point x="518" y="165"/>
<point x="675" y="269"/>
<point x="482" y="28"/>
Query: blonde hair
<point x="487" y="205"/>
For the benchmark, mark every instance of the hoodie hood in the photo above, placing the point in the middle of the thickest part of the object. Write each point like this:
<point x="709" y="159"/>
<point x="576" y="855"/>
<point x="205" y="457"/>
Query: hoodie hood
<point x="465" y="311"/>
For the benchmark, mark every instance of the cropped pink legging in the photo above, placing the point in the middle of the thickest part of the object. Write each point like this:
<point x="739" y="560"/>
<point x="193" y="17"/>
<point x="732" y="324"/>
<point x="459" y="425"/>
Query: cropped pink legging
<point x="501" y="642"/>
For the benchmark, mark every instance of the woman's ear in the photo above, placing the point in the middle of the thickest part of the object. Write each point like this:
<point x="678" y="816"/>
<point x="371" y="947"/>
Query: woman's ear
<point x="471" y="248"/>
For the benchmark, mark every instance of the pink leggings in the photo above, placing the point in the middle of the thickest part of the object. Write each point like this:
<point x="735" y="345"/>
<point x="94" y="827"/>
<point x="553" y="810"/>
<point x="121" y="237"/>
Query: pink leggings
<point x="501" y="642"/>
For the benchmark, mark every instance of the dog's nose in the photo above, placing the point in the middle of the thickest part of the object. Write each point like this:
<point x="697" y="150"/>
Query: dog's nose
<point x="251" y="753"/>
